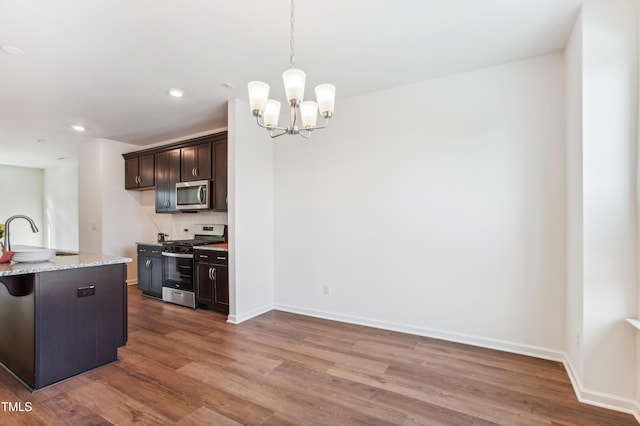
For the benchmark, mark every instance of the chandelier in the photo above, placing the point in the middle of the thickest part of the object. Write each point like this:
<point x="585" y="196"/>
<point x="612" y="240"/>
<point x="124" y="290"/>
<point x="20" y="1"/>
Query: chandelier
<point x="267" y="111"/>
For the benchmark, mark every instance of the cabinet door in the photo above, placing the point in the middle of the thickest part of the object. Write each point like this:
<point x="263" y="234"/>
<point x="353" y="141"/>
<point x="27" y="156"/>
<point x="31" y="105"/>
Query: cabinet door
<point x="196" y="162"/>
<point x="188" y="164"/>
<point x="219" y="195"/>
<point x="131" y="173"/>
<point x="203" y="164"/>
<point x="204" y="283"/>
<point x="144" y="276"/>
<point x="155" y="275"/>
<point x="167" y="174"/>
<point x="146" y="171"/>
<point x="221" y="287"/>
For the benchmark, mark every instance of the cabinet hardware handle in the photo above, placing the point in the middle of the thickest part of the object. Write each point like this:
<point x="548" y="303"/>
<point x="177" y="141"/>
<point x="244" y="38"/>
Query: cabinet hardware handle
<point x="197" y="171"/>
<point x="221" y="258"/>
<point x="210" y="277"/>
<point x="202" y="256"/>
<point x="214" y="274"/>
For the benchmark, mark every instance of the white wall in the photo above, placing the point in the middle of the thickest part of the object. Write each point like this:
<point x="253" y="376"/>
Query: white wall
<point x="109" y="216"/>
<point x="436" y="208"/>
<point x="251" y="238"/>
<point x="22" y="193"/>
<point x="573" y="79"/>
<point x="90" y="197"/>
<point x="61" y="206"/>
<point x="609" y="92"/>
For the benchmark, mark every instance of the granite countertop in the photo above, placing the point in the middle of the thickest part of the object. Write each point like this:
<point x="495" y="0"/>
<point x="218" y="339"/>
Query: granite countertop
<point x="143" y="243"/>
<point x="68" y="261"/>
<point x="216" y="247"/>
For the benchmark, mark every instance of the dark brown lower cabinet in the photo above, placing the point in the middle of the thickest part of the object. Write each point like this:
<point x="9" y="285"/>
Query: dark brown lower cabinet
<point x="72" y="321"/>
<point x="212" y="280"/>
<point x="150" y="270"/>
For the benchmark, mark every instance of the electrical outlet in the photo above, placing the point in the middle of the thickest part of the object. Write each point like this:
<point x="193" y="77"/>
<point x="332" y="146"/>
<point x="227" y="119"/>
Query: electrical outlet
<point x="325" y="289"/>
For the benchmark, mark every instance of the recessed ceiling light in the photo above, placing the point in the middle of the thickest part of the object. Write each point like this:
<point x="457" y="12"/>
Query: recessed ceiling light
<point x="176" y="93"/>
<point x="78" y="127"/>
<point x="41" y="140"/>
<point x="229" y="85"/>
<point x="11" y="50"/>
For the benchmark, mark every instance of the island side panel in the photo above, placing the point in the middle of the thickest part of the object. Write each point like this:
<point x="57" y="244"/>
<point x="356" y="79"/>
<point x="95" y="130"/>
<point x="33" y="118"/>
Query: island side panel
<point x="17" y="337"/>
<point x="80" y="320"/>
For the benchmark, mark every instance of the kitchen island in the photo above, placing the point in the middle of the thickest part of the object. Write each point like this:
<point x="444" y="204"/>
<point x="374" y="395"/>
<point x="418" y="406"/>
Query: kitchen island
<point x="62" y="317"/>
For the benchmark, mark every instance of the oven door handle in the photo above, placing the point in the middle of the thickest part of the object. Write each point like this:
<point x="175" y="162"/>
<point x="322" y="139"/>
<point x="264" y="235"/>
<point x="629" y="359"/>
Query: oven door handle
<point x="181" y="255"/>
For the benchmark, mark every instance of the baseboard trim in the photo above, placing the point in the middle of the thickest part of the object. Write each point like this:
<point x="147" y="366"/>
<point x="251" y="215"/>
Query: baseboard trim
<point x="237" y="319"/>
<point x="583" y="395"/>
<point x="132" y="281"/>
<point x="468" y="339"/>
<point x="600" y="399"/>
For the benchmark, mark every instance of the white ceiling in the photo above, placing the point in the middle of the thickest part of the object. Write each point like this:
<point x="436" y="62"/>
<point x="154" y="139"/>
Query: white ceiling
<point x="108" y="63"/>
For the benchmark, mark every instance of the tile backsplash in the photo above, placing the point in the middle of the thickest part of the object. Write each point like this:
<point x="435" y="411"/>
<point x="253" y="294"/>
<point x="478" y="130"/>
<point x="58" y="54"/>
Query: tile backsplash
<point x="172" y="224"/>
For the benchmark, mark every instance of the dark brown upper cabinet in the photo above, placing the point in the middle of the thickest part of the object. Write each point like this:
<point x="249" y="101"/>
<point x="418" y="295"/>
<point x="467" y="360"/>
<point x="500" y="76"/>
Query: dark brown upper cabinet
<point x="138" y="172"/>
<point x="161" y="167"/>
<point x="196" y="162"/>
<point x="219" y="160"/>
<point x="167" y="175"/>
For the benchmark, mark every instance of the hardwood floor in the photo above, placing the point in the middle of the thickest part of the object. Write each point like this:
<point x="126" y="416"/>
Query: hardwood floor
<point x="188" y="367"/>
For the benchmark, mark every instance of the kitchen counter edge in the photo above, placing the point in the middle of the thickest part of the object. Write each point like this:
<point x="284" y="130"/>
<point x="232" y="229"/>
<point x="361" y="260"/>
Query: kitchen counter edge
<point x="58" y="263"/>
<point x="214" y="247"/>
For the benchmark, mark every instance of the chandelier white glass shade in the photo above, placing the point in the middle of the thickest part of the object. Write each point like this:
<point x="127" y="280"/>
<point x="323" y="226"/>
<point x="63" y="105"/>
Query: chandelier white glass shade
<point x="303" y="116"/>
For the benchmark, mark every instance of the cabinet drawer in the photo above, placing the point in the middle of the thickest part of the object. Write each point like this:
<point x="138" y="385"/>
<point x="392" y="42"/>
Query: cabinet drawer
<point x="211" y="256"/>
<point x="149" y="250"/>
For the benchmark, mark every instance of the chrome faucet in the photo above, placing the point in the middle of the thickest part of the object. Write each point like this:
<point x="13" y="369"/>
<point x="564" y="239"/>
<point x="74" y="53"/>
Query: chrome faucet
<point x="7" y="244"/>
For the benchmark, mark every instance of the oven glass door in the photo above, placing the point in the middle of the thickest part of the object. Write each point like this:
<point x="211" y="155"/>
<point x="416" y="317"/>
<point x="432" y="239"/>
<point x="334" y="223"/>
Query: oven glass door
<point x="177" y="272"/>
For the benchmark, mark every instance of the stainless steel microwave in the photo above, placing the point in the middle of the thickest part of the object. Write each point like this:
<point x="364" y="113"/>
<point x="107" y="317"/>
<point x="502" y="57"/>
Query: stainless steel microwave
<point x="194" y="195"/>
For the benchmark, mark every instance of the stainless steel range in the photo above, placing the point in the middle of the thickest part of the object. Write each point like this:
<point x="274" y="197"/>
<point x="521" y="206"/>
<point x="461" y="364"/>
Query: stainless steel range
<point x="177" y="264"/>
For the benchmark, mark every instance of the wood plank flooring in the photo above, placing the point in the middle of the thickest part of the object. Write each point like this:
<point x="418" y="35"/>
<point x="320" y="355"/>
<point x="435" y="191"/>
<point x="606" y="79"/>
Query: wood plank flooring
<point x="186" y="367"/>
